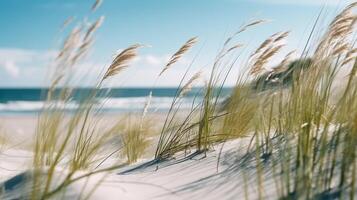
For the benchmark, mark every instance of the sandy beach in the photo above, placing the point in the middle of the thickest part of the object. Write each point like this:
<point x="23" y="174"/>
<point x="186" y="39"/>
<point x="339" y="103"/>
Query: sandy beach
<point x="193" y="177"/>
<point x="19" y="129"/>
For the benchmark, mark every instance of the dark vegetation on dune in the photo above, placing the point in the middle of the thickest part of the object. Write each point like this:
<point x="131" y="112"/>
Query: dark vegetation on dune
<point x="281" y="77"/>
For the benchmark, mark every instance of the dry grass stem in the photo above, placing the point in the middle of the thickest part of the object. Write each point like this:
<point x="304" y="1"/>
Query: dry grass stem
<point x="96" y="5"/>
<point x="187" y="46"/>
<point x="189" y="84"/>
<point x="121" y="61"/>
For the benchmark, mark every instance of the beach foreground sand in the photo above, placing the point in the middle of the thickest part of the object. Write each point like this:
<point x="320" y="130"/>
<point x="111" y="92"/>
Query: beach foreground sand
<point x="197" y="176"/>
<point x="187" y="176"/>
<point x="19" y="130"/>
<point x="227" y="171"/>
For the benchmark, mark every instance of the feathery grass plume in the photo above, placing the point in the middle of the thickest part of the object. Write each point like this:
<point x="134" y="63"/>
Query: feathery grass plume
<point x="81" y="51"/>
<point x="68" y="21"/>
<point x="271" y="52"/>
<point x="340" y="48"/>
<point x="187" y="46"/>
<point x="75" y="47"/>
<point x="189" y="84"/>
<point x="234" y="47"/>
<point x="283" y="64"/>
<point x="174" y="135"/>
<point x="339" y="30"/>
<point x="86" y="41"/>
<point x="254" y="23"/>
<point x="350" y="56"/>
<point x="266" y="51"/>
<point x="121" y="61"/>
<point x="244" y="28"/>
<point x="263" y="46"/>
<point x="75" y="138"/>
<point x="65" y="59"/>
<point x="344" y="13"/>
<point x="71" y="42"/>
<point x="94" y="27"/>
<point x="209" y="108"/>
<point x="302" y="132"/>
<point x="318" y="130"/>
<point x="225" y="52"/>
<point x="282" y="36"/>
<point x="258" y="66"/>
<point x="270" y="41"/>
<point x="96" y="5"/>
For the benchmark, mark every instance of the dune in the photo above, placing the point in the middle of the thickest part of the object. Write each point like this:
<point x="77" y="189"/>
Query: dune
<point x="227" y="171"/>
<point x="197" y="176"/>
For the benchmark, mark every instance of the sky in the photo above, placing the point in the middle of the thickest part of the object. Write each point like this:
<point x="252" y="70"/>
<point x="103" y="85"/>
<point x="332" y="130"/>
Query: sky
<point x="31" y="34"/>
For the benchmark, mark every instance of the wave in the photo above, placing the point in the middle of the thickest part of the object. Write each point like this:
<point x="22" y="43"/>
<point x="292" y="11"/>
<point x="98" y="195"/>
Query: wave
<point x="127" y="104"/>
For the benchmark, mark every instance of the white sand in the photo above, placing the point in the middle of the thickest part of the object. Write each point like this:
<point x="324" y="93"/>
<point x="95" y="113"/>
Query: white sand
<point x="194" y="177"/>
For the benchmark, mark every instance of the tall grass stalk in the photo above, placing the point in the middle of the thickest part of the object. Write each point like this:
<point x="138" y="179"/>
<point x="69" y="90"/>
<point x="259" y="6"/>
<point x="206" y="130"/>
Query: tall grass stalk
<point x="72" y="142"/>
<point x="298" y="103"/>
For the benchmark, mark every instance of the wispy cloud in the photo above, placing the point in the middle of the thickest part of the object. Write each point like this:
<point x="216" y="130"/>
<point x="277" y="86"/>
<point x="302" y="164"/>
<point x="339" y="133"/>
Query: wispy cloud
<point x="22" y="66"/>
<point x="12" y="61"/>
<point x="26" y="67"/>
<point x="153" y="60"/>
<point x="11" y="68"/>
<point x="146" y="68"/>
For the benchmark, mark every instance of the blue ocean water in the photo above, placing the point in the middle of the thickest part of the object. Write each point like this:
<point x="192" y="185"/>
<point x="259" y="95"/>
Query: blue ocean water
<point x="31" y="100"/>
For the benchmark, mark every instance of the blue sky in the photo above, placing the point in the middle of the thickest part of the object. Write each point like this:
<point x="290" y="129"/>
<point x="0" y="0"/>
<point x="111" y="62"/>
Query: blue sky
<point x="30" y="31"/>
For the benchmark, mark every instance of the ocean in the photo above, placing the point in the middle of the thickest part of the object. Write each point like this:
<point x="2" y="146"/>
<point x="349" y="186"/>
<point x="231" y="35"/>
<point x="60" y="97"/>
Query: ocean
<point x="31" y="100"/>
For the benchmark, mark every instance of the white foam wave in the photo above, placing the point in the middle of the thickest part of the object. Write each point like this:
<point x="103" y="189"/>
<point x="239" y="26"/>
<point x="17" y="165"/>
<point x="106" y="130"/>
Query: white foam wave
<point x="110" y="104"/>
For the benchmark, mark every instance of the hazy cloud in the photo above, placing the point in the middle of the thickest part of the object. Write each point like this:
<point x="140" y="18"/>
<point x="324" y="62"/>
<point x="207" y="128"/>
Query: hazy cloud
<point x="30" y="67"/>
<point x="13" y="61"/>
<point x="11" y="68"/>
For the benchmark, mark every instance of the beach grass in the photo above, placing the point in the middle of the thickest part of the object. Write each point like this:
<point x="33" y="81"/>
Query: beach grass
<point x="315" y="126"/>
<point x="3" y="138"/>
<point x="134" y="134"/>
<point x="302" y="119"/>
<point x="74" y="143"/>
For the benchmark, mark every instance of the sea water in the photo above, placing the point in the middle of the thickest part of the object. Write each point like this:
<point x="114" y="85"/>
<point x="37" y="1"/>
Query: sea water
<point x="31" y="100"/>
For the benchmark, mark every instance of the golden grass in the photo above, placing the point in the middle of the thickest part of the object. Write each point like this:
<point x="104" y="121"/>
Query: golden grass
<point x="121" y="61"/>
<point x="187" y="46"/>
<point x="318" y="155"/>
<point x="76" y="143"/>
<point x="134" y="134"/>
<point x="3" y="138"/>
<point x="96" y="5"/>
<point x="318" y="131"/>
